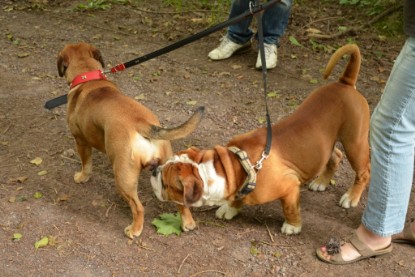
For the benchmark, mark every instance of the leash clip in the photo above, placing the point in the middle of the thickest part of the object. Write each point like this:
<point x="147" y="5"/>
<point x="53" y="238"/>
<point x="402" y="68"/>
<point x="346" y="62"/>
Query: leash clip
<point x="251" y="7"/>
<point x="258" y="164"/>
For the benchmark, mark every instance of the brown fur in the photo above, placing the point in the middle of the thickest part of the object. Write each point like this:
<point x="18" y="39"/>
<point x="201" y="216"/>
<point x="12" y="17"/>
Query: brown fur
<point x="303" y="148"/>
<point x="100" y="116"/>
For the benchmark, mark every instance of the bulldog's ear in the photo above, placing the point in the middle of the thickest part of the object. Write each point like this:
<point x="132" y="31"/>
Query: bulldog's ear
<point x="62" y="65"/>
<point x="97" y="55"/>
<point x="192" y="188"/>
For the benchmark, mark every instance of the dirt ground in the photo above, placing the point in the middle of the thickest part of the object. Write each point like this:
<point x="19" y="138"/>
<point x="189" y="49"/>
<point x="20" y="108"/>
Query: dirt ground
<point x="85" y="223"/>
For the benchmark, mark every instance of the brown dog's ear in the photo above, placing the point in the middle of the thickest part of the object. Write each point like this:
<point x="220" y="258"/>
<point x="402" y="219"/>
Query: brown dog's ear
<point x="192" y="188"/>
<point x="62" y="65"/>
<point x="97" y="55"/>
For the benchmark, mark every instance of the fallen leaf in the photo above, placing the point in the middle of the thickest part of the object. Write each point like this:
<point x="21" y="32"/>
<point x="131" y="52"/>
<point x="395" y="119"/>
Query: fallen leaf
<point x="21" y="179"/>
<point x="168" y="224"/>
<point x="36" y="161"/>
<point x="140" y="97"/>
<point x="191" y="102"/>
<point x="294" y="41"/>
<point x="313" y="81"/>
<point x="22" y="55"/>
<point x="37" y="195"/>
<point x="42" y="242"/>
<point x="17" y="236"/>
<point x="12" y="199"/>
<point x="41" y="173"/>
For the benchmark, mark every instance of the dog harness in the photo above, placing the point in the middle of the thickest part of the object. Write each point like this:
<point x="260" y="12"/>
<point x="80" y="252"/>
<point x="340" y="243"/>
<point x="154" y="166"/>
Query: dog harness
<point x="88" y="76"/>
<point x="250" y="181"/>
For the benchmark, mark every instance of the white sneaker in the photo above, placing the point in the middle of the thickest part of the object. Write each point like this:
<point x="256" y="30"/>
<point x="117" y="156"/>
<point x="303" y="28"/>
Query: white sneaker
<point x="225" y="49"/>
<point x="270" y="56"/>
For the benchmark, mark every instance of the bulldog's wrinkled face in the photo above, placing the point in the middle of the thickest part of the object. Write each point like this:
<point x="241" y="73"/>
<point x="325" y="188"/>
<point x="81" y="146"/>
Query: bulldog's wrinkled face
<point x="178" y="181"/>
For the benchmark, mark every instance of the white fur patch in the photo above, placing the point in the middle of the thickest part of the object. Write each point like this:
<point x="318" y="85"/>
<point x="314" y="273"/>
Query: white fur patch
<point x="289" y="229"/>
<point x="226" y="212"/>
<point x="145" y="147"/>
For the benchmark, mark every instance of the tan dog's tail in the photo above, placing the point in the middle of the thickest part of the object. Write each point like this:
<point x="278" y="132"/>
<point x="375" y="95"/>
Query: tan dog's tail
<point x="351" y="72"/>
<point x="157" y="132"/>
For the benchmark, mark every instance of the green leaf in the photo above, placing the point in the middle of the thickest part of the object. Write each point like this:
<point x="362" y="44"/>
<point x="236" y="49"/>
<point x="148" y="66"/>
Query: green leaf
<point x="37" y="195"/>
<point x="17" y="236"/>
<point x="294" y="41"/>
<point x="168" y="224"/>
<point x="42" y="242"/>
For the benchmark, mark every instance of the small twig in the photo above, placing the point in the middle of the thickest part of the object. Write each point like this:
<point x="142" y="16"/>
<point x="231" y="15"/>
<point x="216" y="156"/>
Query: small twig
<point x="356" y="29"/>
<point x="201" y="272"/>
<point x="108" y="210"/>
<point x="180" y="267"/>
<point x="276" y="244"/>
<point x="6" y="165"/>
<point x="76" y="161"/>
<point x="5" y="130"/>
<point x="269" y="233"/>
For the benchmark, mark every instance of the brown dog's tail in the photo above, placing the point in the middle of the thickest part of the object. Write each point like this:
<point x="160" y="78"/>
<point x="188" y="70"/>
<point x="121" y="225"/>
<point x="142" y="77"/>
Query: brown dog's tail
<point x="351" y="72"/>
<point x="157" y="132"/>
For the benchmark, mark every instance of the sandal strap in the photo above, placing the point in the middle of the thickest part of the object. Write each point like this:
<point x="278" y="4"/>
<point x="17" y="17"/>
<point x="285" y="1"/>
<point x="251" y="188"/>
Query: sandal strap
<point x="408" y="234"/>
<point x="362" y="248"/>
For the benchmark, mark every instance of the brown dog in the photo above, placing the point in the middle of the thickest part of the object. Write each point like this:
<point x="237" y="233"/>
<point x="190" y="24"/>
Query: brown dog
<point x="100" y="116"/>
<point x="303" y="147"/>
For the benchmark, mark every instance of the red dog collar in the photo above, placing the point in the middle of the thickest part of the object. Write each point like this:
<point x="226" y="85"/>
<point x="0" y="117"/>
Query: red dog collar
<point x="88" y="76"/>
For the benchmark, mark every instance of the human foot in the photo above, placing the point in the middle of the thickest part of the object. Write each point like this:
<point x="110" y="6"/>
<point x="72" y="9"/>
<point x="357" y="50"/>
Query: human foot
<point x="362" y="245"/>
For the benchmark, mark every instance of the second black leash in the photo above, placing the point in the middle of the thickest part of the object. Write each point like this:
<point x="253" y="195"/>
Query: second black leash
<point x="60" y="100"/>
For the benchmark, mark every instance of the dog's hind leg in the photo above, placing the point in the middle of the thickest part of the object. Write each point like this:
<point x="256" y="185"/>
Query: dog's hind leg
<point x="322" y="181"/>
<point x="85" y="153"/>
<point x="358" y="156"/>
<point x="126" y="179"/>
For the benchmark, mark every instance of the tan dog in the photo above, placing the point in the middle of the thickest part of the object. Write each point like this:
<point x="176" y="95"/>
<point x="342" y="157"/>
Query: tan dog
<point x="303" y="147"/>
<point x="100" y="116"/>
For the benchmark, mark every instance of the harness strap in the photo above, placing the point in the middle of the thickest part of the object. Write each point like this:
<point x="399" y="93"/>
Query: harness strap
<point x="250" y="181"/>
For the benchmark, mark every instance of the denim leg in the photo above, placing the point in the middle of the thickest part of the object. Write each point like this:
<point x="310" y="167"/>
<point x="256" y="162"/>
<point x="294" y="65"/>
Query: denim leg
<point x="274" y="22"/>
<point x="392" y="138"/>
<point x="240" y="32"/>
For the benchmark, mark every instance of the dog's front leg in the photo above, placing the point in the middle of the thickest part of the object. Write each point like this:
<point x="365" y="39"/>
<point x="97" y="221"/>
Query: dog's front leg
<point x="188" y="222"/>
<point x="291" y="208"/>
<point x="229" y="210"/>
<point x="85" y="153"/>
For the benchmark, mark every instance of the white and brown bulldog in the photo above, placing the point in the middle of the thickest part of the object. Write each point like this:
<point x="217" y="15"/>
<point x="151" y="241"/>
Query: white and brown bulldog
<point x="303" y="148"/>
<point x="101" y="117"/>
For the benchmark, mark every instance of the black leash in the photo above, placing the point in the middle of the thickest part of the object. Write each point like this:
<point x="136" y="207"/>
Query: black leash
<point x="264" y="77"/>
<point x="250" y="182"/>
<point x="253" y="10"/>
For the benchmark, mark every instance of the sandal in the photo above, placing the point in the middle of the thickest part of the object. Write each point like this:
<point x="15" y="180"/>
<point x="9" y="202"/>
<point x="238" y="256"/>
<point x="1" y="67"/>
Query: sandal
<point x="407" y="237"/>
<point x="364" y="251"/>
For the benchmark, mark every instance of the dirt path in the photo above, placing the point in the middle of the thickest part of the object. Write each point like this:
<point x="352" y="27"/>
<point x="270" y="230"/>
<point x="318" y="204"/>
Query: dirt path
<point x="85" y="222"/>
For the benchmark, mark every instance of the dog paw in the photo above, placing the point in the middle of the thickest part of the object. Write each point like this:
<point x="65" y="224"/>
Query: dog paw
<point x="316" y="185"/>
<point x="188" y="226"/>
<point x="129" y="232"/>
<point x="346" y="202"/>
<point x="226" y="212"/>
<point x="80" y="177"/>
<point x="289" y="229"/>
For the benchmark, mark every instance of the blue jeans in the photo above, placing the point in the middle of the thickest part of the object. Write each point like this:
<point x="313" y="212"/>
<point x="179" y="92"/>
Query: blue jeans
<point x="392" y="138"/>
<point x="274" y="22"/>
